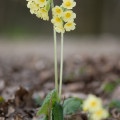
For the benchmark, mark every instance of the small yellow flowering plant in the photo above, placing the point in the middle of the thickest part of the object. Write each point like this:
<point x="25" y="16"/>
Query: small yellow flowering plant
<point x="62" y="20"/>
<point x="94" y="107"/>
<point x="63" y="16"/>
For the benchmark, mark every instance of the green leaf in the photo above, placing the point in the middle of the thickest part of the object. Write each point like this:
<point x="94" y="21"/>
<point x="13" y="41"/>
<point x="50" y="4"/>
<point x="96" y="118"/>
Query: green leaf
<point x="115" y="104"/>
<point x="109" y="87"/>
<point x="72" y="105"/>
<point x="57" y="112"/>
<point x="45" y="106"/>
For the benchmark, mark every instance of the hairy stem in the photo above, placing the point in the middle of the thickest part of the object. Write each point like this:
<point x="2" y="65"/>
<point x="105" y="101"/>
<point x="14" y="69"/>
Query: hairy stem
<point x="55" y="55"/>
<point x="61" y="67"/>
<point x="56" y="73"/>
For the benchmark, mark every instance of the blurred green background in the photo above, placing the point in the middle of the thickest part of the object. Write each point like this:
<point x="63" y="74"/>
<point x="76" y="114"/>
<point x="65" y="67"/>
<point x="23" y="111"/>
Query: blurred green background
<point x="94" y="17"/>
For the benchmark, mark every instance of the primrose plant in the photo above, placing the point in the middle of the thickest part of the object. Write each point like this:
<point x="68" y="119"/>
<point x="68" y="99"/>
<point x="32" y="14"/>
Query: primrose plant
<point x="62" y="20"/>
<point x="53" y="108"/>
<point x="94" y="107"/>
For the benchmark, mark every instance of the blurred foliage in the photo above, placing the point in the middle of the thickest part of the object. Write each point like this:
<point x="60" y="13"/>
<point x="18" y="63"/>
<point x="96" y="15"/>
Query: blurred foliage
<point x="38" y="101"/>
<point x="72" y="105"/>
<point x="109" y="87"/>
<point x="82" y="70"/>
<point x="1" y="99"/>
<point x="115" y="104"/>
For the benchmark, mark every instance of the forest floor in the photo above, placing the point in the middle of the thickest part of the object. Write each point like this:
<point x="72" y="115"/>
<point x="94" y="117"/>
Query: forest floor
<point x="27" y="74"/>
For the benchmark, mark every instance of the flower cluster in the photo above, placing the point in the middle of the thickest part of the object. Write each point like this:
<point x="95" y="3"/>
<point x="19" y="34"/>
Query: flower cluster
<point x="93" y="105"/>
<point x="63" y="16"/>
<point x="39" y="8"/>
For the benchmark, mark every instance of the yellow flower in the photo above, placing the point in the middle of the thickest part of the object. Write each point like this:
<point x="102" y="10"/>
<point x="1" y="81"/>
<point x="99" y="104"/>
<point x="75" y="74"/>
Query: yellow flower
<point x="92" y="103"/>
<point x="57" y="11"/>
<point x="69" y="26"/>
<point x="69" y="16"/>
<point x="69" y="4"/>
<point x="33" y="7"/>
<point x="43" y="14"/>
<point x="99" y="114"/>
<point x="41" y="3"/>
<point x="57" y="21"/>
<point x="59" y="29"/>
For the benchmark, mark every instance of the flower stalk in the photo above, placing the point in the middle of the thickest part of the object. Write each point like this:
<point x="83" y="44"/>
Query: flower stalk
<point x="62" y="20"/>
<point x="55" y="54"/>
<point x="56" y="71"/>
<point x="61" y="66"/>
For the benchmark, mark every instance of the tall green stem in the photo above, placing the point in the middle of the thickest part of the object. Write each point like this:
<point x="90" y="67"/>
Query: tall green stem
<point x="55" y="55"/>
<point x="61" y="67"/>
<point x="55" y="49"/>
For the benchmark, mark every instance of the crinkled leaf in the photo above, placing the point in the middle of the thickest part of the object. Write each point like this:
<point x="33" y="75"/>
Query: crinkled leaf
<point x="57" y="112"/>
<point x="45" y="106"/>
<point x="72" y="105"/>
